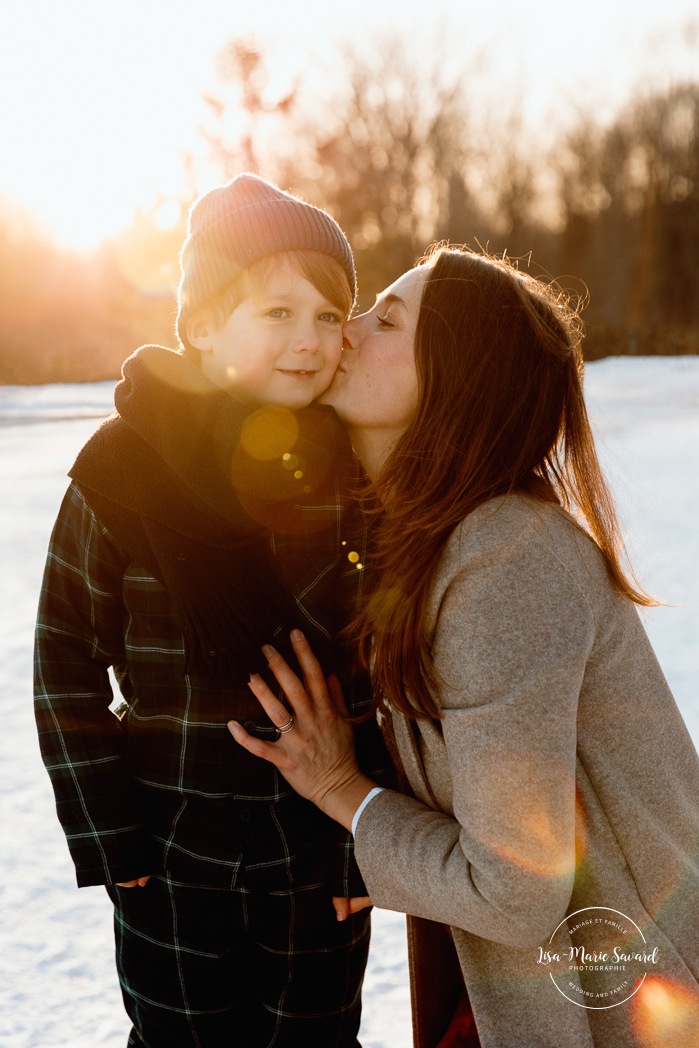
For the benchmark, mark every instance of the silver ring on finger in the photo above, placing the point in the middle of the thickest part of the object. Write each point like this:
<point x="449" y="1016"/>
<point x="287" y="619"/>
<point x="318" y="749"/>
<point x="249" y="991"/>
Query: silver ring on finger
<point x="286" y="727"/>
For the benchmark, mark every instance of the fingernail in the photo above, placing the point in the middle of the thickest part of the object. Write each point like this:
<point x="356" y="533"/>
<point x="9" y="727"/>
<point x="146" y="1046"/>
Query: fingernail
<point x="296" y="635"/>
<point x="268" y="651"/>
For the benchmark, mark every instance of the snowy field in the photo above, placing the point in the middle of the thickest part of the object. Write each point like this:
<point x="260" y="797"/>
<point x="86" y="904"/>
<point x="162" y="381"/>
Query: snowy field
<point x="57" y="986"/>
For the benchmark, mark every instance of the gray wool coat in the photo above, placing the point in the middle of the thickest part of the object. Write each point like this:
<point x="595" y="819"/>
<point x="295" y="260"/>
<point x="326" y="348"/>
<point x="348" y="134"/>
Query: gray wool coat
<point x="560" y="777"/>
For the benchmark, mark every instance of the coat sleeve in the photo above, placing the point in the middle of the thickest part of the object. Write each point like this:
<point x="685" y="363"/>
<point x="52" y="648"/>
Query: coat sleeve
<point x="513" y="636"/>
<point x="79" y="635"/>
<point x="346" y="876"/>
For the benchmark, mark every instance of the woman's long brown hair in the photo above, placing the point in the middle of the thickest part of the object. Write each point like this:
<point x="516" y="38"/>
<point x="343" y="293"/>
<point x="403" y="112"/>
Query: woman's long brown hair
<point x="501" y="409"/>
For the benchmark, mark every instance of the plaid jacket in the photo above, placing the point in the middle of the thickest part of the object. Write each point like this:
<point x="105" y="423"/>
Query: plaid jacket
<point x="159" y="784"/>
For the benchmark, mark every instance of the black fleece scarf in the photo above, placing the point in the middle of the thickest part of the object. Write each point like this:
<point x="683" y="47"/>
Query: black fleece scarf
<point x="190" y="483"/>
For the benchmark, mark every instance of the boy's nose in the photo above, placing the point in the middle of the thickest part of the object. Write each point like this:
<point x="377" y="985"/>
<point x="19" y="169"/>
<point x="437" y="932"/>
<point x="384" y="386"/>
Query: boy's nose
<point x="307" y="339"/>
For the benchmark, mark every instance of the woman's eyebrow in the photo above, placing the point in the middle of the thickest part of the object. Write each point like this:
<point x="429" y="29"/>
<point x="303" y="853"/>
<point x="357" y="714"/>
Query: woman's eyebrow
<point x="390" y="300"/>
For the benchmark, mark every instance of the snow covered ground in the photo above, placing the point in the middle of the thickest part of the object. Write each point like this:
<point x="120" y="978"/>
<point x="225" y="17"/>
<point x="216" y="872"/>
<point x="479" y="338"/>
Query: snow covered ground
<point x="57" y="986"/>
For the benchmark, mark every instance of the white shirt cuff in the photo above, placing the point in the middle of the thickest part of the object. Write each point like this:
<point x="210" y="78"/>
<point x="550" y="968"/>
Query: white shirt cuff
<point x="369" y="797"/>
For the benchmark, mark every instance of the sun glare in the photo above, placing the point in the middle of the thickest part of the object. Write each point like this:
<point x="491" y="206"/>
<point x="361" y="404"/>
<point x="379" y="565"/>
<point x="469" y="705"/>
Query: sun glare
<point x="93" y="129"/>
<point x="91" y="196"/>
<point x="103" y="104"/>
<point x="665" y="1014"/>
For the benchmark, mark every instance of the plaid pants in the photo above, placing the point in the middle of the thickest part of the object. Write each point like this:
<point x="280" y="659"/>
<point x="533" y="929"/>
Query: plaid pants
<point x="205" y="968"/>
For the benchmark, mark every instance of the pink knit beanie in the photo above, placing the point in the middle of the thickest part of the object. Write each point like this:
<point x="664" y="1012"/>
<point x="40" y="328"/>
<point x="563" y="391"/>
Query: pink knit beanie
<point x="239" y="223"/>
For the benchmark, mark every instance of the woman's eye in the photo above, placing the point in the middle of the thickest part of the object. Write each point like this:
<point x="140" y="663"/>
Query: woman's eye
<point x="386" y="321"/>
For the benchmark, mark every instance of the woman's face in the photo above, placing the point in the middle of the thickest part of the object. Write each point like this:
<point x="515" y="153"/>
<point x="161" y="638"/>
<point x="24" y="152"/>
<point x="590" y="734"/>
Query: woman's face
<point x="375" y="388"/>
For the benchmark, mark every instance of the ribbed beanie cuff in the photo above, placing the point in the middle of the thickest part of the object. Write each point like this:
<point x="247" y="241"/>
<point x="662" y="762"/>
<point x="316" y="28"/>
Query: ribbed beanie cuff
<point x="241" y="222"/>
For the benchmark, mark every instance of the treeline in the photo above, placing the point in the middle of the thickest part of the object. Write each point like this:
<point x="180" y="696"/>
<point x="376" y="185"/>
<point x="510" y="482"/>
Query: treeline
<point x="67" y="317"/>
<point x="402" y="156"/>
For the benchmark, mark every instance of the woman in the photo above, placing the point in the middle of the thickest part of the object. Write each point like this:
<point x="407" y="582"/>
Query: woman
<point x="550" y="769"/>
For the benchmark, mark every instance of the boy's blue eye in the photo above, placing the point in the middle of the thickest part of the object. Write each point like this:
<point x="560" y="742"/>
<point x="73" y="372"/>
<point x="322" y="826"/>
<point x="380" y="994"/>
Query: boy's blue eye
<point x="281" y="313"/>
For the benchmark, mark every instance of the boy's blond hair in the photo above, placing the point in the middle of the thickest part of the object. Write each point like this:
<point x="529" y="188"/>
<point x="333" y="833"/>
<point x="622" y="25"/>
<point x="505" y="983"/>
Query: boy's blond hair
<point x="325" y="273"/>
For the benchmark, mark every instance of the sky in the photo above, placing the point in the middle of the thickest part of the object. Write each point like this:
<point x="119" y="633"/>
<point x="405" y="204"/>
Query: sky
<point x="100" y="102"/>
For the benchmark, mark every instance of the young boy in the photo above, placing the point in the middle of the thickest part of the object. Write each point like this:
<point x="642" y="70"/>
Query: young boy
<point x="204" y="519"/>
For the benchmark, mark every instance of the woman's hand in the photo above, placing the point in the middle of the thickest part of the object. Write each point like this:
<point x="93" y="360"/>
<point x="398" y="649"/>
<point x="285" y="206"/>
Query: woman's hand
<point x="315" y="750"/>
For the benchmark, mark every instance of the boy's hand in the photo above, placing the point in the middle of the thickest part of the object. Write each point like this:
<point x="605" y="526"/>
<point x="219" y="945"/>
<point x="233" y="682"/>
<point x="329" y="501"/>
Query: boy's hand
<point x="141" y="882"/>
<point x="344" y="907"/>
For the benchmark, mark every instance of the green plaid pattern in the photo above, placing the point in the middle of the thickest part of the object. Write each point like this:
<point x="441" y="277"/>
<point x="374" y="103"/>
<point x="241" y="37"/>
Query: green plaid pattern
<point x="164" y="787"/>
<point x="241" y="969"/>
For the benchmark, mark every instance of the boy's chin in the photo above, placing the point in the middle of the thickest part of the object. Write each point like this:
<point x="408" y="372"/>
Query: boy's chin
<point x="299" y="402"/>
<point x="291" y="403"/>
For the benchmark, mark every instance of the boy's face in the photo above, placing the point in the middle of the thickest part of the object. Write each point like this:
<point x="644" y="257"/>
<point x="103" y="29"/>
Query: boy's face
<point x="281" y="346"/>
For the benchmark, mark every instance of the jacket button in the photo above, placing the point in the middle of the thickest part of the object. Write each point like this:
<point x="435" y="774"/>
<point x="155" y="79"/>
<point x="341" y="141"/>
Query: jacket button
<point x="245" y="815"/>
<point x="249" y="725"/>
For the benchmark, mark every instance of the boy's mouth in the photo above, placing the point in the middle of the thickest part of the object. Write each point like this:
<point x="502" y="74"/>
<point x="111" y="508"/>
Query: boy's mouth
<point x="296" y="371"/>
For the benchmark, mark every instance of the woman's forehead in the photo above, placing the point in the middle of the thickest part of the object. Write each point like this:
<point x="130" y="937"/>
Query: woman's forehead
<point x="407" y="289"/>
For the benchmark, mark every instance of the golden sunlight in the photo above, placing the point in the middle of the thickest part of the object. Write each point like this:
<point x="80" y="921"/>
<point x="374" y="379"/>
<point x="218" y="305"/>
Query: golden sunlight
<point x="665" y="1014"/>
<point x="105" y="106"/>
<point x="529" y="839"/>
<point x="147" y="253"/>
<point x="269" y="433"/>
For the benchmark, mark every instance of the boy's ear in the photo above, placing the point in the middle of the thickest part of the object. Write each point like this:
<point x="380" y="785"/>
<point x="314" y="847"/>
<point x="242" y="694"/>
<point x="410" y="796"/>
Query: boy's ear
<point x="198" y="334"/>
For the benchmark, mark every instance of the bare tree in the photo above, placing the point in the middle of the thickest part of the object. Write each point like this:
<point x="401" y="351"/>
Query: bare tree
<point x="389" y="162"/>
<point x="629" y="197"/>
<point x="247" y="109"/>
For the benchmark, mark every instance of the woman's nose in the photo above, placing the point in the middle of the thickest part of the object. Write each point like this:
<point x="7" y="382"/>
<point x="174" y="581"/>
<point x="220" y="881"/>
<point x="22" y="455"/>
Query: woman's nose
<point x="351" y="332"/>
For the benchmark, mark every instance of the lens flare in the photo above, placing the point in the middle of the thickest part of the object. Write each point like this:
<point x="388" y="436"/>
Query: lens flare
<point x="530" y="838"/>
<point x="665" y="1014"/>
<point x="269" y="433"/>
